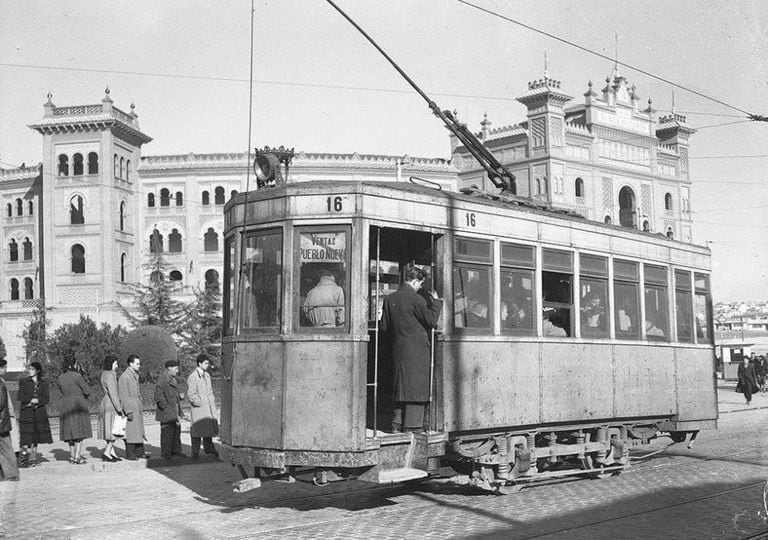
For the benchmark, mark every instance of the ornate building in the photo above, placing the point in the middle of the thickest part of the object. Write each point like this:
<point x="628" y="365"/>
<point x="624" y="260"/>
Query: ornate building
<point x="604" y="158"/>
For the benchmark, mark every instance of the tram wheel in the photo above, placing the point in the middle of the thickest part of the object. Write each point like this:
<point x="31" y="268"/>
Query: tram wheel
<point x="595" y="470"/>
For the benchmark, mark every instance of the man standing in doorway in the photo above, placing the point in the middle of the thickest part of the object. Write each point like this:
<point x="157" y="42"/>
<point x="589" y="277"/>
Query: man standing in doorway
<point x="205" y="415"/>
<point x="408" y="320"/>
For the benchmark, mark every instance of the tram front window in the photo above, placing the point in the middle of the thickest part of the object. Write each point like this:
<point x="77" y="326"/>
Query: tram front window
<point x="323" y="268"/>
<point x="557" y="294"/>
<point x="683" y="307"/>
<point x="702" y="308"/>
<point x="262" y="281"/>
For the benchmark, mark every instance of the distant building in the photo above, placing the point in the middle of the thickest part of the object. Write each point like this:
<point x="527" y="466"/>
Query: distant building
<point x="603" y="156"/>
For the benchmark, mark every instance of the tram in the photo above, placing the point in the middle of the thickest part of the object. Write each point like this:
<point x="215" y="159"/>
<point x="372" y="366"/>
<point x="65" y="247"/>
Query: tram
<point x="561" y="340"/>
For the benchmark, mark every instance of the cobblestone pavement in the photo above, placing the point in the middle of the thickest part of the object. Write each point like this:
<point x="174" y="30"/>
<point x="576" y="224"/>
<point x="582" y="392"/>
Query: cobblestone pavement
<point x="712" y="491"/>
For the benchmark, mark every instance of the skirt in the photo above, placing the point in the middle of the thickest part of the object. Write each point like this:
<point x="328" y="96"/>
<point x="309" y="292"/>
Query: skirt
<point x="34" y="427"/>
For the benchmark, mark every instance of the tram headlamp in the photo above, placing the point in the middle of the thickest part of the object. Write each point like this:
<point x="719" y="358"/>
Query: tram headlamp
<point x="267" y="169"/>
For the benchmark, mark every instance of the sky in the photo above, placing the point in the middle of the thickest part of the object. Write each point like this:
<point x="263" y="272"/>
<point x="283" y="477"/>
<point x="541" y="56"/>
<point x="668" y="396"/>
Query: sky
<point x="319" y="87"/>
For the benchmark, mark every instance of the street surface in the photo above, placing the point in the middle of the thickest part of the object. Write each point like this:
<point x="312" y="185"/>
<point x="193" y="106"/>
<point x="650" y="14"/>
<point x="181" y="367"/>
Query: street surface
<point x="713" y="491"/>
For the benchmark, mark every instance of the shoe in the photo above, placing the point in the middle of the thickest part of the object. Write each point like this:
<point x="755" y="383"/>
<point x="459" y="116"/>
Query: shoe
<point x="131" y="458"/>
<point x="78" y="461"/>
<point x="195" y="456"/>
<point x="12" y="479"/>
<point x="145" y="455"/>
<point x="106" y="458"/>
<point x="115" y="459"/>
<point x="179" y="455"/>
<point x="213" y="452"/>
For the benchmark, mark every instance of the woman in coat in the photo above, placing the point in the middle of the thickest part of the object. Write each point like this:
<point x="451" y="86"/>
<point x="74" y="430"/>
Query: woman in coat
<point x="74" y="419"/>
<point x="34" y="428"/>
<point x="747" y="384"/>
<point x="205" y="416"/>
<point x="109" y="408"/>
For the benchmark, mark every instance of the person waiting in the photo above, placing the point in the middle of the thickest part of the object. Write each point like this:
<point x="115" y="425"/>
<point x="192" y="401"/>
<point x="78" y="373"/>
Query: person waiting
<point x="324" y="305"/>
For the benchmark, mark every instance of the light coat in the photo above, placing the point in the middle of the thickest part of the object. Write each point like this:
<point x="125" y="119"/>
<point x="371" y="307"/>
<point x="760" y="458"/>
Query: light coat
<point x="128" y="386"/>
<point x="205" y="415"/>
<point x="110" y="405"/>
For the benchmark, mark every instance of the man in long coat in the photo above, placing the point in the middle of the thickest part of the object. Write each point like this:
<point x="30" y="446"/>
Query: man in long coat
<point x="128" y="388"/>
<point x="408" y="320"/>
<point x="205" y="416"/>
<point x="8" y="464"/>
<point x="167" y="397"/>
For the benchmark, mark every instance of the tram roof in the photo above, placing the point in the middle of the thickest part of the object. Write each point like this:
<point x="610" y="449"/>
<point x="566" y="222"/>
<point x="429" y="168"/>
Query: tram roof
<point x="484" y="198"/>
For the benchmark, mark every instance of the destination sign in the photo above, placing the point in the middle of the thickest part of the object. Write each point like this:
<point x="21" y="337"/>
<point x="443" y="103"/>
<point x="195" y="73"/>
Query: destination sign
<point x="323" y="247"/>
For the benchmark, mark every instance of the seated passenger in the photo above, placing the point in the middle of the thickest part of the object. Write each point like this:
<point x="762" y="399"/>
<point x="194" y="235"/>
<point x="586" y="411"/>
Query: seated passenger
<point x="653" y="331"/>
<point x="477" y="316"/>
<point x="547" y="328"/>
<point x="592" y="312"/>
<point x="324" y="305"/>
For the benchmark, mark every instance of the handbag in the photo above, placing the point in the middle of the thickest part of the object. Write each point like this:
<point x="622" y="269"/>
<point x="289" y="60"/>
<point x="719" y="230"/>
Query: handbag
<point x="118" y="426"/>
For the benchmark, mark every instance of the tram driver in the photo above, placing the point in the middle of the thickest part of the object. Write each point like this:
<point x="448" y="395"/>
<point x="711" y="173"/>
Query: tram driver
<point x="408" y="320"/>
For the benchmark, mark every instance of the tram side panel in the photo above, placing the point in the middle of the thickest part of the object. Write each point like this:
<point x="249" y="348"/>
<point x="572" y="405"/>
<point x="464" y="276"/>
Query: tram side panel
<point x="696" y="389"/>
<point x="645" y="381"/>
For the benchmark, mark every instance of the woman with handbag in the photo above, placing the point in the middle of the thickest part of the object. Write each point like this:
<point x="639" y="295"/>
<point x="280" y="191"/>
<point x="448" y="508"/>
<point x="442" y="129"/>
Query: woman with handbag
<point x="34" y="428"/>
<point x="111" y="423"/>
<point x="74" y="419"/>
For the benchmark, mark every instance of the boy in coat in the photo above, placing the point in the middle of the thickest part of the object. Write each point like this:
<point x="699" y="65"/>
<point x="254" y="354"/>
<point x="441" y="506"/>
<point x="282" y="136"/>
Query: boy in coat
<point x="128" y="388"/>
<point x="205" y="416"/>
<point x="8" y="463"/>
<point x="167" y="397"/>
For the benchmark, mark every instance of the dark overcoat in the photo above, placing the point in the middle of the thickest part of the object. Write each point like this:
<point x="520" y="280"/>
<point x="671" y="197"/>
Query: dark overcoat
<point x="407" y="320"/>
<point x="74" y="417"/>
<point x="747" y="376"/>
<point x="34" y="427"/>
<point x="5" y="411"/>
<point x="167" y="397"/>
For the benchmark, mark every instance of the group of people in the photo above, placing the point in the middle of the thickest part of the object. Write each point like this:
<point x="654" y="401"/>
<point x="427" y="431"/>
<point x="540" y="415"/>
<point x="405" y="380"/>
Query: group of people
<point x="752" y="376"/>
<point x="119" y="414"/>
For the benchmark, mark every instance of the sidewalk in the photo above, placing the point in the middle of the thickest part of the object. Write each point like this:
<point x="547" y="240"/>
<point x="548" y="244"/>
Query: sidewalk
<point x="730" y="401"/>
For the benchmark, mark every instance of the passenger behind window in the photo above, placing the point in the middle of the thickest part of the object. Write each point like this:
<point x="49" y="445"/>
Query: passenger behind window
<point x="592" y="312"/>
<point x="477" y="316"/>
<point x="652" y="331"/>
<point x="324" y="305"/>
<point x="548" y="329"/>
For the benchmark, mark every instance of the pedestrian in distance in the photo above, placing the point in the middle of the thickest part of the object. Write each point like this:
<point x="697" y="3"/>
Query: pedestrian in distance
<point x="747" y="375"/>
<point x="168" y="398"/>
<point x="34" y="427"/>
<point x="130" y="398"/>
<point x="205" y="416"/>
<point x="109" y="408"/>
<point x="74" y="416"/>
<point x="408" y="321"/>
<point x="8" y="465"/>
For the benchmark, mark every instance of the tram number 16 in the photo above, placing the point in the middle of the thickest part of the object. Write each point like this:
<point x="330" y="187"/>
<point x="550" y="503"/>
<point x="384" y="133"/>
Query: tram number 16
<point x="334" y="204"/>
<point x="471" y="220"/>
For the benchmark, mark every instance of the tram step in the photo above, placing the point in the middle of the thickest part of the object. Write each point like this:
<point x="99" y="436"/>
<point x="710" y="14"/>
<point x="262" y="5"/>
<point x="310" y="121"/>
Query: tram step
<point x="400" y="475"/>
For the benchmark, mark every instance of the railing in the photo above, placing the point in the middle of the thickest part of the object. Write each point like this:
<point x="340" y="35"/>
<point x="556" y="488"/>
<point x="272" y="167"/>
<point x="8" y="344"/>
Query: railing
<point x="78" y="110"/>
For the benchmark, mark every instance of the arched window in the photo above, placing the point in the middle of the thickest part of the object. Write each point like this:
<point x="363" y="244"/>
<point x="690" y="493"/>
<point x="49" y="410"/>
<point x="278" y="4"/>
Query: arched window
<point x="123" y="259"/>
<point x="211" y="240"/>
<point x="122" y="167"/>
<point x="179" y="198"/>
<point x="151" y="200"/>
<point x="219" y="195"/>
<point x="646" y="226"/>
<point x="607" y="220"/>
<point x="670" y="233"/>
<point x="579" y="187"/>
<point x="78" y="259"/>
<point x="63" y="165"/>
<point x="212" y="279"/>
<point x="232" y="195"/>
<point x="31" y="208"/>
<point x="13" y="250"/>
<point x="175" y="275"/>
<point x="174" y="241"/>
<point x="668" y="201"/>
<point x="93" y="163"/>
<point x="27" y="249"/>
<point x="117" y="166"/>
<point x="14" y="289"/>
<point x="77" y="164"/>
<point x="28" y="292"/>
<point x="155" y="242"/>
<point x="538" y="186"/>
<point x="128" y="170"/>
<point x="165" y="197"/>
<point x="10" y="210"/>
<point x="19" y="207"/>
<point x="156" y="276"/>
<point x="627" y="211"/>
<point x="122" y="215"/>
<point x="206" y="198"/>
<point x="76" y="215"/>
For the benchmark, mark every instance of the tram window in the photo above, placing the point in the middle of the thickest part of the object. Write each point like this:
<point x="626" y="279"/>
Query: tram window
<point x="557" y="294"/>
<point x="656" y="303"/>
<point x="594" y="296"/>
<point x="517" y="274"/>
<point x="472" y="283"/>
<point x="683" y="305"/>
<point x="323" y="278"/>
<point x="702" y="307"/>
<point x="229" y="291"/>
<point x="626" y="299"/>
<point x="262" y="281"/>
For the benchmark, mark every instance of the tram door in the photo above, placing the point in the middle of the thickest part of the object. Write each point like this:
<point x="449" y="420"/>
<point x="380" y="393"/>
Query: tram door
<point x="392" y="252"/>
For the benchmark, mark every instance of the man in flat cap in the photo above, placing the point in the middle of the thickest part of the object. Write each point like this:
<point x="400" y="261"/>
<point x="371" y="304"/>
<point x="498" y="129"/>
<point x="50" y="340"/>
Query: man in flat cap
<point x="168" y="397"/>
<point x="8" y="464"/>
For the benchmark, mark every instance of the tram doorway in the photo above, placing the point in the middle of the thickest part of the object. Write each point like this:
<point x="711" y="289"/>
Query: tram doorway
<point x="391" y="253"/>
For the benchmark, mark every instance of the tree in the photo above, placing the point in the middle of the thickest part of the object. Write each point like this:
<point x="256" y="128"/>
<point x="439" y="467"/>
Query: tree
<point x="86" y="343"/>
<point x="34" y="334"/>
<point x="155" y="304"/>
<point x="154" y="345"/>
<point x="202" y="328"/>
